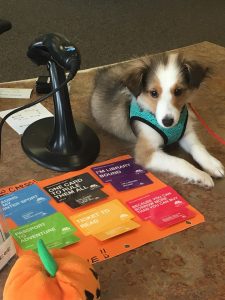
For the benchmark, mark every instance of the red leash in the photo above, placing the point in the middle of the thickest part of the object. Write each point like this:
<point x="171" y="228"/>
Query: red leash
<point x="210" y="131"/>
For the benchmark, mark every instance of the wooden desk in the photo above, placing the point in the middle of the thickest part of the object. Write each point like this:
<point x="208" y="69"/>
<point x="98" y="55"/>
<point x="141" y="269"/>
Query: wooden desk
<point x="188" y="265"/>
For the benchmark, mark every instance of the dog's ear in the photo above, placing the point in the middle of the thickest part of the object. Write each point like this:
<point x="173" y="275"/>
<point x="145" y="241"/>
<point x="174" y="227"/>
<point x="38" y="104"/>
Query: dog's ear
<point x="194" y="73"/>
<point x="135" y="75"/>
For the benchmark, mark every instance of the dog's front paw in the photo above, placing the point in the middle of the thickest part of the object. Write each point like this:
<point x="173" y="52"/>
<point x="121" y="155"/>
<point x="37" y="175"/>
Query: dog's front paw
<point x="214" y="167"/>
<point x="201" y="178"/>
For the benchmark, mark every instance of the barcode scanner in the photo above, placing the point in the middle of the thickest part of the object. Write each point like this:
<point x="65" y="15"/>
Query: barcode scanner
<point x="57" y="48"/>
<point x="58" y="143"/>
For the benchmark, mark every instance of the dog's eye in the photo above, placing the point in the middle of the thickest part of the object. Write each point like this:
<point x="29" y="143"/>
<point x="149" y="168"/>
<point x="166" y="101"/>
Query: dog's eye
<point x="178" y="92"/>
<point x="154" y="94"/>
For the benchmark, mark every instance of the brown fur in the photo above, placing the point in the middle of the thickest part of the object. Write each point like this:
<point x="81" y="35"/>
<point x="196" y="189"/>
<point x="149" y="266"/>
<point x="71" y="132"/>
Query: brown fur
<point x="143" y="151"/>
<point x="181" y="100"/>
<point x="116" y="85"/>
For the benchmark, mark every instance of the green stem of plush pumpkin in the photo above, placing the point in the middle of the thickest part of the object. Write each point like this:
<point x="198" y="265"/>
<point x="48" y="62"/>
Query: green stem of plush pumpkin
<point x="47" y="259"/>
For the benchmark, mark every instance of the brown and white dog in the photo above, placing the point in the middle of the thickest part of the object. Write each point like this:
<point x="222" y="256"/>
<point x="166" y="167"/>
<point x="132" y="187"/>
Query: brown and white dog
<point x="160" y="86"/>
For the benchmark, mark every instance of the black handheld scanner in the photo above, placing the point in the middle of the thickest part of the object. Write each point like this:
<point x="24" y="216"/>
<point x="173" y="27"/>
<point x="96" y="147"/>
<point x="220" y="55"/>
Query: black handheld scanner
<point x="55" y="47"/>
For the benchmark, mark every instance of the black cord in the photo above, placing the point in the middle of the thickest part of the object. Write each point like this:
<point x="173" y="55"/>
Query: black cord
<point x="69" y="77"/>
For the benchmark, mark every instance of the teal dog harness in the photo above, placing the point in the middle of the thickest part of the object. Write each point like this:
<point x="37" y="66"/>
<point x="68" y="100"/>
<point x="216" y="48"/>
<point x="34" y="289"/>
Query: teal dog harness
<point x="169" y="135"/>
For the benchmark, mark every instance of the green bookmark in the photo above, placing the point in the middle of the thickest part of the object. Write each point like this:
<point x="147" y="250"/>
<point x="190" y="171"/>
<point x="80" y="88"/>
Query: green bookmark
<point x="47" y="259"/>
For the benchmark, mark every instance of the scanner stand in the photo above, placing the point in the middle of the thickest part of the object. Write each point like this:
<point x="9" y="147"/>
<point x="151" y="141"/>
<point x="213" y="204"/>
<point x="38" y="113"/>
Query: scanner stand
<point x="60" y="143"/>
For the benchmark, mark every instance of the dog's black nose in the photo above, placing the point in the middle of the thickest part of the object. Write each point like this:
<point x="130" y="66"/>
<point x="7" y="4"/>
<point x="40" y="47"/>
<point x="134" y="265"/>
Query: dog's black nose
<point x="167" y="121"/>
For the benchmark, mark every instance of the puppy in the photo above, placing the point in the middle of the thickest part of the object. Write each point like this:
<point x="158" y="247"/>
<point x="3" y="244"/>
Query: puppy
<point x="145" y="102"/>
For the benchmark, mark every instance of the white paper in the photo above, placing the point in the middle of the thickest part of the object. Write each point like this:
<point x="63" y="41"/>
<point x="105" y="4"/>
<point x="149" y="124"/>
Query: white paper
<point x="2" y="235"/>
<point x="22" y="119"/>
<point x="15" y="93"/>
<point x="7" y="251"/>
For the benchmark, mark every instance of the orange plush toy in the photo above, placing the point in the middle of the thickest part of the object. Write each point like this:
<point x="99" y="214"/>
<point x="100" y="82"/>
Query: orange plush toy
<point x="60" y="275"/>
